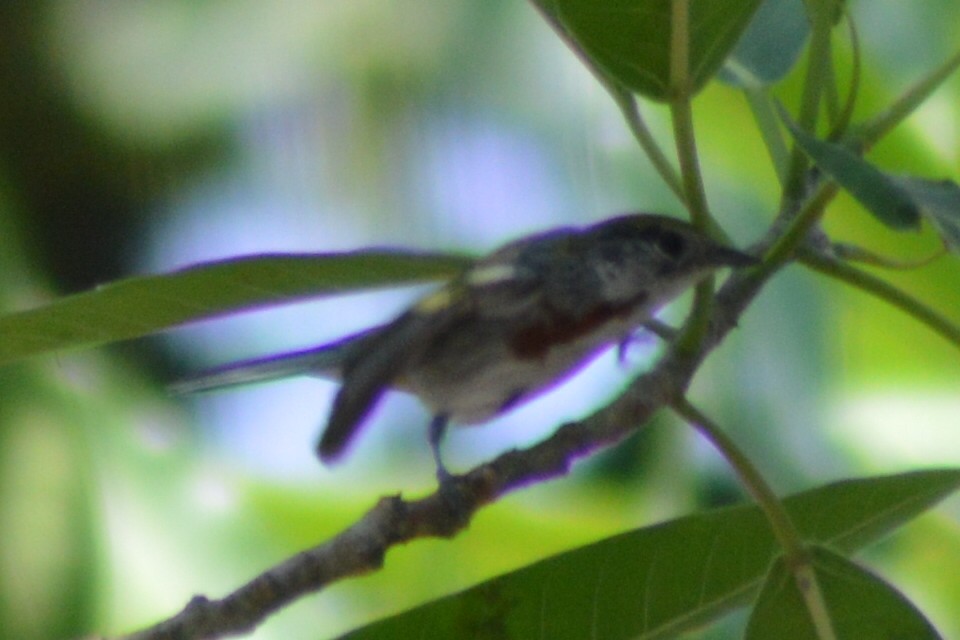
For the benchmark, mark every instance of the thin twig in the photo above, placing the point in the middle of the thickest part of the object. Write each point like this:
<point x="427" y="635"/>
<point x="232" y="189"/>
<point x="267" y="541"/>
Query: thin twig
<point x="818" y="64"/>
<point x="623" y="98"/>
<point x="839" y="270"/>
<point x="869" y="133"/>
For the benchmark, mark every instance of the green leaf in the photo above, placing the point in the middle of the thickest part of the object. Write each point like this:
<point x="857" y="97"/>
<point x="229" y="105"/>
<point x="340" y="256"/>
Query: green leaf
<point x="939" y="202"/>
<point x="630" y="39"/>
<point x="860" y="605"/>
<point x="139" y="306"/>
<point x="877" y="191"/>
<point x="770" y="46"/>
<point x="897" y="201"/>
<point x="665" y="579"/>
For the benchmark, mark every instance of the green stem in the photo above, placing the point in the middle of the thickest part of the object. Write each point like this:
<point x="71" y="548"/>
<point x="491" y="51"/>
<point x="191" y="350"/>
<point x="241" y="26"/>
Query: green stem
<point x="623" y="98"/>
<point x="698" y="322"/>
<point x="809" y="587"/>
<point x="693" y="191"/>
<point x="694" y="195"/>
<point x="682" y="115"/>
<point x="881" y="124"/>
<point x="792" y="237"/>
<point x="818" y="63"/>
<point x="885" y="291"/>
<point x="794" y="550"/>
<point x="768" y="124"/>
<point x="842" y="122"/>
<point x="783" y="529"/>
<point x="631" y="113"/>
<point x="831" y="94"/>
<point x="854" y="253"/>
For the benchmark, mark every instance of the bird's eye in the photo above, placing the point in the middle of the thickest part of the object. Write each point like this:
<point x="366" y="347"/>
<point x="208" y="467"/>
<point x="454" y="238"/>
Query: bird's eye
<point x="671" y="244"/>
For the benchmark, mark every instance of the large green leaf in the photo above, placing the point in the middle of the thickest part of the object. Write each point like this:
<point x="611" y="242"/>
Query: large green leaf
<point x="662" y="580"/>
<point x="630" y="39"/>
<point x="143" y="305"/>
<point x="860" y="605"/>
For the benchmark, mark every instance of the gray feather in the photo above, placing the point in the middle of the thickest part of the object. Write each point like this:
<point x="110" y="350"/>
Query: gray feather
<point x="325" y="361"/>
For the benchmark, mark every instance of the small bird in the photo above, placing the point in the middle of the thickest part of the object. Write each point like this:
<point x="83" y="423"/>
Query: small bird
<point x="510" y="327"/>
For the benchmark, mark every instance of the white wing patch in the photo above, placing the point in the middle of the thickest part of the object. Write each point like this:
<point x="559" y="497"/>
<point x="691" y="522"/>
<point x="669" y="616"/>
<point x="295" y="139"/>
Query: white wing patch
<point x="491" y="274"/>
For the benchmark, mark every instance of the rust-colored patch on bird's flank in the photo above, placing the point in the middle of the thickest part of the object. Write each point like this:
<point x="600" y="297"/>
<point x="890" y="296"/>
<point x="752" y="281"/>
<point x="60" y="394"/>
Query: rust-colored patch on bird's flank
<point x="535" y="341"/>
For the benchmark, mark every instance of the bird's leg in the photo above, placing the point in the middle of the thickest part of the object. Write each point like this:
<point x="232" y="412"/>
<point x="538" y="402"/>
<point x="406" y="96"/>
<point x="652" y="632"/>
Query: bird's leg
<point x="438" y="427"/>
<point x="451" y="492"/>
<point x="661" y="329"/>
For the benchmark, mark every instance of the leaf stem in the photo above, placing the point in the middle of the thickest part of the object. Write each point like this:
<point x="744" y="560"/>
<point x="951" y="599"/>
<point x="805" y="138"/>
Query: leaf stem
<point x="694" y="195"/>
<point x="621" y="96"/>
<point x="631" y="113"/>
<point x="831" y="93"/>
<point x="842" y="121"/>
<point x="761" y="105"/>
<point x="751" y="478"/>
<point x="794" y="551"/>
<point x="798" y="228"/>
<point x="854" y="253"/>
<point x="882" y="289"/>
<point x="809" y="586"/>
<point x="881" y="124"/>
<point x="818" y="66"/>
<point x="682" y="115"/>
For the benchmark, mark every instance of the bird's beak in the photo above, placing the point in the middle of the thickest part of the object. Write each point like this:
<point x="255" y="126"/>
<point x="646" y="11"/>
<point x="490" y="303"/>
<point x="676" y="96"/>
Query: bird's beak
<point x="726" y="257"/>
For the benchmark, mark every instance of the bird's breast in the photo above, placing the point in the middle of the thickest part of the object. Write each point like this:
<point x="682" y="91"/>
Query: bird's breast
<point x="485" y="370"/>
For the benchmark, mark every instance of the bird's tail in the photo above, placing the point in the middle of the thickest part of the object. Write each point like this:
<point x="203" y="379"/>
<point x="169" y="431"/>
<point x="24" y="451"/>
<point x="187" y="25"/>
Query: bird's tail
<point x="325" y="361"/>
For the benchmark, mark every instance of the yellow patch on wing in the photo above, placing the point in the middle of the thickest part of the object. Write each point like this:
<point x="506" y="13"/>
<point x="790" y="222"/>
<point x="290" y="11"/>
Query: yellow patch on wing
<point x="490" y="274"/>
<point x="437" y="301"/>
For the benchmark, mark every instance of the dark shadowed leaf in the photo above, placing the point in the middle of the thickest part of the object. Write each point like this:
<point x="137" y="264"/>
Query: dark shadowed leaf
<point x="861" y="606"/>
<point x="630" y="39"/>
<point x="939" y="202"/>
<point x="139" y="306"/>
<point x="770" y="46"/>
<point x="897" y="201"/>
<point x="877" y="191"/>
<point x="662" y="580"/>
